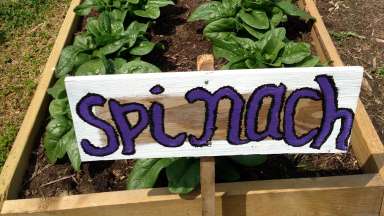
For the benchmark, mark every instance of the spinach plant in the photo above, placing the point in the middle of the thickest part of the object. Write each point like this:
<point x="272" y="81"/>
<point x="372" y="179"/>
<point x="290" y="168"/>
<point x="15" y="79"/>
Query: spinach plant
<point x="107" y="47"/>
<point x="140" y="8"/>
<point x="183" y="174"/>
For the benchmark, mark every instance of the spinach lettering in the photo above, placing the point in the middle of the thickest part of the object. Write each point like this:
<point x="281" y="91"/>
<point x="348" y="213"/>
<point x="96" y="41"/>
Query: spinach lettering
<point x="154" y="118"/>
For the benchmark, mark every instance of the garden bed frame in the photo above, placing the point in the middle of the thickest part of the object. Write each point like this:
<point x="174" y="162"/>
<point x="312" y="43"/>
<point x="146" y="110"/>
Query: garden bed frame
<point x="338" y="195"/>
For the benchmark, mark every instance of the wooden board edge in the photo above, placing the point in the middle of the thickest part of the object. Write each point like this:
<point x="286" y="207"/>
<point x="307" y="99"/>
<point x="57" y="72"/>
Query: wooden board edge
<point x="366" y="143"/>
<point x="18" y="157"/>
<point x="132" y="199"/>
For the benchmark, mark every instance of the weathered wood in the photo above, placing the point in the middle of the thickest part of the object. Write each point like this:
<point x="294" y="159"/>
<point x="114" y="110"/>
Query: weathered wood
<point x="207" y="164"/>
<point x="340" y="195"/>
<point x="18" y="158"/>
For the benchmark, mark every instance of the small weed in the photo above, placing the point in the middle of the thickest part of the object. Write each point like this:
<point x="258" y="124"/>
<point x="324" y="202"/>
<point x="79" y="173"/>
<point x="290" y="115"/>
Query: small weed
<point x="343" y="35"/>
<point x="380" y="71"/>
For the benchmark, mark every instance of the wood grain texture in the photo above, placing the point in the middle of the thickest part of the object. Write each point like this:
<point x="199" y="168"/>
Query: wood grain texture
<point x="181" y="116"/>
<point x="18" y="158"/>
<point x="339" y="195"/>
<point x="207" y="164"/>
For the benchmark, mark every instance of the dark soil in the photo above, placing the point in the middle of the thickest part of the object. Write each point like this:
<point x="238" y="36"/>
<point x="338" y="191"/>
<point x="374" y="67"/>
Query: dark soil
<point x="183" y="42"/>
<point x="366" y="19"/>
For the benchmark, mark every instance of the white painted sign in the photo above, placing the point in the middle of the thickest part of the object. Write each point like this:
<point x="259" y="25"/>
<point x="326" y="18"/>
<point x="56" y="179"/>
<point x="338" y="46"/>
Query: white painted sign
<point x="212" y="113"/>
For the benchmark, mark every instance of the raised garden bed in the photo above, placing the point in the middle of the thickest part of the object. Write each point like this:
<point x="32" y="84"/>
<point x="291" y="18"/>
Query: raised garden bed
<point x="360" y="194"/>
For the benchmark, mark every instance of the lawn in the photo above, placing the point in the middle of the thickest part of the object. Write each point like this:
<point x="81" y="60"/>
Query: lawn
<point x="28" y="29"/>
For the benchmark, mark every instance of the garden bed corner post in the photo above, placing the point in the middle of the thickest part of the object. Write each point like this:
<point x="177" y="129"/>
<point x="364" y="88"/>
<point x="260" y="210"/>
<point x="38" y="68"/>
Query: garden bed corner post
<point x="207" y="164"/>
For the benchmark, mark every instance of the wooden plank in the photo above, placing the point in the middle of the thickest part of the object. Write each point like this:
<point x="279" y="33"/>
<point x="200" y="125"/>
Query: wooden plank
<point x="18" y="158"/>
<point x="339" y="195"/>
<point x="366" y="143"/>
<point x="207" y="164"/>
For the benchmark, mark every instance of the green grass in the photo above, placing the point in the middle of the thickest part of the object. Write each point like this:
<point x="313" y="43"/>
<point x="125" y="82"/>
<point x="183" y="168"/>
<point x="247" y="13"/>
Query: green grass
<point x="6" y="138"/>
<point x="20" y="13"/>
<point x="28" y="29"/>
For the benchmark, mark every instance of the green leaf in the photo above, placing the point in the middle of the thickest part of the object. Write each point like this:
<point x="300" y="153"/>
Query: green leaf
<point x="295" y="52"/>
<point x="277" y="17"/>
<point x="134" y="30"/>
<point x="93" y="67"/>
<point x="146" y="171"/>
<point x="209" y="11"/>
<point x="152" y="12"/>
<point x="160" y="3"/>
<point x="58" y="126"/>
<point x="310" y="61"/>
<point x="66" y="61"/>
<point x="256" y="19"/>
<point x="84" y="41"/>
<point x="291" y="9"/>
<point x="71" y="147"/>
<point x="110" y="48"/>
<point x="58" y="89"/>
<point x="221" y="25"/>
<point x="252" y="31"/>
<point x="58" y="107"/>
<point x="183" y="175"/>
<point x="81" y="58"/>
<point x="225" y="170"/>
<point x="118" y="64"/>
<point x="232" y="4"/>
<point x="85" y="8"/>
<point x="249" y="160"/>
<point x="143" y="48"/>
<point x="53" y="148"/>
<point x="138" y="66"/>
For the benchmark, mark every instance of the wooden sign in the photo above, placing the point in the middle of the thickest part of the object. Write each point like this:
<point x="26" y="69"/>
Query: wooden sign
<point x="212" y="113"/>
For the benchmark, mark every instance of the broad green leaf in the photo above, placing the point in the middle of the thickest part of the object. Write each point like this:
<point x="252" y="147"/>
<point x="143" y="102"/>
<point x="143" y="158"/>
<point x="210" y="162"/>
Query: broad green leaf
<point x="257" y="4"/>
<point x="54" y="149"/>
<point x="221" y="25"/>
<point x="291" y="9"/>
<point x="295" y="52"/>
<point x="232" y="4"/>
<point x="225" y="170"/>
<point x="256" y="19"/>
<point x="310" y="61"/>
<point x="58" y="107"/>
<point x="58" y="126"/>
<point x="81" y="58"/>
<point x="117" y="21"/>
<point x="183" y="175"/>
<point x="69" y="141"/>
<point x="134" y="30"/>
<point x="254" y="63"/>
<point x="277" y="17"/>
<point x="118" y="64"/>
<point x="145" y="172"/>
<point x="160" y="3"/>
<point x="210" y="11"/>
<point x="85" y="8"/>
<point x="143" y="48"/>
<point x="224" y="53"/>
<point x="66" y="61"/>
<point x="249" y="160"/>
<point x="58" y="89"/>
<point x="152" y="12"/>
<point x="111" y="47"/>
<point x="138" y="66"/>
<point x="84" y="41"/>
<point x="252" y="31"/>
<point x="93" y="67"/>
